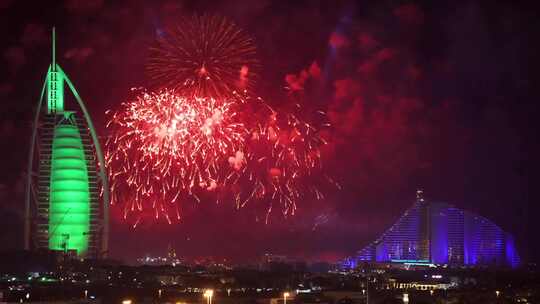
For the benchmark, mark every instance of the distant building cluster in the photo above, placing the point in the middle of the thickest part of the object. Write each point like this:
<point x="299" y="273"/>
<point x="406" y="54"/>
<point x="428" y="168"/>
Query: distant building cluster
<point x="171" y="259"/>
<point x="276" y="262"/>
<point x="441" y="234"/>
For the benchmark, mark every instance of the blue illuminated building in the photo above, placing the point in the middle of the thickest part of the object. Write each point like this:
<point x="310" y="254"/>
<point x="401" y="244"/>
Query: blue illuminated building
<point x="439" y="233"/>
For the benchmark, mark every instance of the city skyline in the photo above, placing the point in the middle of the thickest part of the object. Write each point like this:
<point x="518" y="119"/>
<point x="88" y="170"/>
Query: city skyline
<point x="414" y="100"/>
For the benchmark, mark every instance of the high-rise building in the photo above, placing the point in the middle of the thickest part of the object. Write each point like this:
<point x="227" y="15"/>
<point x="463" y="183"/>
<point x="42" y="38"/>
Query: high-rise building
<point x="67" y="190"/>
<point x="439" y="233"/>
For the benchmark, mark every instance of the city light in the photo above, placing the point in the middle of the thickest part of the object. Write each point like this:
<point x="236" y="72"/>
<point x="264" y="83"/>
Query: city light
<point x="285" y="296"/>
<point x="127" y="301"/>
<point x="208" y="293"/>
<point x="405" y="298"/>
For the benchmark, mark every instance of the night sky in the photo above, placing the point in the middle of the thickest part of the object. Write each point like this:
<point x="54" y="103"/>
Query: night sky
<point x="429" y="94"/>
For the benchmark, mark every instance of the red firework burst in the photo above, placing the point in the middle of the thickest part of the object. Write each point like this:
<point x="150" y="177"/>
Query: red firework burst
<point x="208" y="55"/>
<point x="164" y="146"/>
<point x="281" y="162"/>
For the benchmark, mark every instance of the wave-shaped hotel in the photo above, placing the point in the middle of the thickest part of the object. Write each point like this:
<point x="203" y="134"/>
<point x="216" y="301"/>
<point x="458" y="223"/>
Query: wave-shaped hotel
<point x="432" y="233"/>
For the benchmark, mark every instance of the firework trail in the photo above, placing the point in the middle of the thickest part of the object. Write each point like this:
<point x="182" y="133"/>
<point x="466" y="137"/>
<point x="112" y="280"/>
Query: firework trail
<point x="207" y="55"/>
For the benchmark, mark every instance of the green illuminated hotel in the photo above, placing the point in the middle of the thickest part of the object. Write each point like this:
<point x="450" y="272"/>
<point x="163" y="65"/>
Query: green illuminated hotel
<point x="67" y="191"/>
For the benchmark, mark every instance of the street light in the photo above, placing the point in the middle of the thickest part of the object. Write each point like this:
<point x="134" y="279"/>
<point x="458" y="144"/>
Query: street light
<point x="285" y="296"/>
<point x="208" y="295"/>
<point x="405" y="298"/>
<point x="367" y="290"/>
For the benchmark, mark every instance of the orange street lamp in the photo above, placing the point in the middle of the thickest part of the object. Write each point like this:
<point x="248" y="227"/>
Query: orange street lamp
<point x="285" y="296"/>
